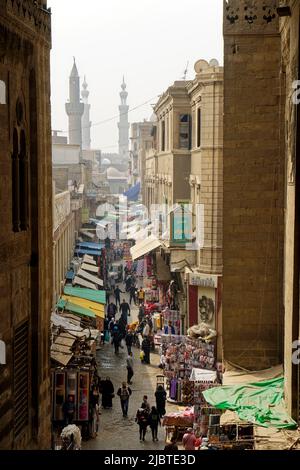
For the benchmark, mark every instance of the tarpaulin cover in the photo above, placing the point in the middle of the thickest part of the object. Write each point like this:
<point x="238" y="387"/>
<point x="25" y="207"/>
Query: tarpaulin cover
<point x="261" y="403"/>
<point x="93" y="307"/>
<point x="88" y="294"/>
<point x="71" y="307"/>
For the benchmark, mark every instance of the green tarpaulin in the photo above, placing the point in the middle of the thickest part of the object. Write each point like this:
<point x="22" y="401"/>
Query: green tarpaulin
<point x="260" y="403"/>
<point x="98" y="296"/>
<point x="65" y="305"/>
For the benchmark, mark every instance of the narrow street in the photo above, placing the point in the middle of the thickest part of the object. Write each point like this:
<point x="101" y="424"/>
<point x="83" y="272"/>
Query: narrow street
<point x="116" y="432"/>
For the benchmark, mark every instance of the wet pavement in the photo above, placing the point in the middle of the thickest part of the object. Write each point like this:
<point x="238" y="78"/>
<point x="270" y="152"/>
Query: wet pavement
<point x="115" y="431"/>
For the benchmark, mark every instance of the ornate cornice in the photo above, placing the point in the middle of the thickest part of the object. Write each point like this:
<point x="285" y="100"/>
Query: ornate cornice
<point x="32" y="14"/>
<point x="251" y="17"/>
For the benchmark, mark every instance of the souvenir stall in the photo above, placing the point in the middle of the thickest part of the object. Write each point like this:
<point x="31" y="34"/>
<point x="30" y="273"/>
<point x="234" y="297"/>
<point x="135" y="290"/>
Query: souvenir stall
<point x="179" y="356"/>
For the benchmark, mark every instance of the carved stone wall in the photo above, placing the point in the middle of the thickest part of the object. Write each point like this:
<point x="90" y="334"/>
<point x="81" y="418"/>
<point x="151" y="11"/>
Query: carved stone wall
<point x="253" y="186"/>
<point x="25" y="252"/>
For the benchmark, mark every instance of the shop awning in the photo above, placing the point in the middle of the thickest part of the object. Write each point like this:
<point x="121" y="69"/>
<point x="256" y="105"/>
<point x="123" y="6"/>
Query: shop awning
<point x="97" y="309"/>
<point x="90" y="245"/>
<point x="94" y="279"/>
<point x="89" y="259"/>
<point x="78" y="281"/>
<point x="87" y="294"/>
<point x="90" y="267"/>
<point x="133" y="193"/>
<point x="87" y="234"/>
<point x="86" y="251"/>
<point x="144" y="247"/>
<point x="71" y="307"/>
<point x="203" y="375"/>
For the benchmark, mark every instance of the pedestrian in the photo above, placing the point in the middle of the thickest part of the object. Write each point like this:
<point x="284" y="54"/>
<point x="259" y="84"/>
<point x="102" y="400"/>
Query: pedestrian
<point x="161" y="396"/>
<point x="116" y="338"/>
<point x="117" y="293"/>
<point x="69" y="410"/>
<point x="141" y="314"/>
<point x="107" y="393"/>
<point x="189" y="440"/>
<point x="141" y="296"/>
<point x="172" y="447"/>
<point x="125" y="310"/>
<point x="132" y="292"/>
<point x="129" y="341"/>
<point x="107" y="296"/>
<point x="154" y="421"/>
<point x="105" y="331"/>
<point x="111" y="310"/>
<point x="128" y="283"/>
<point x="129" y="364"/>
<point x="146" y="347"/>
<point x="142" y="418"/>
<point x="146" y="329"/>
<point x="146" y="403"/>
<point x="111" y="326"/>
<point x="124" y="393"/>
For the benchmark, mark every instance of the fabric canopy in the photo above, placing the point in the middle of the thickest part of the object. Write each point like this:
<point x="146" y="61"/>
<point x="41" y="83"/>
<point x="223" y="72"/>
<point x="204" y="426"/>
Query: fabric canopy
<point x="72" y="307"/>
<point x="86" y="251"/>
<point x="91" y="245"/>
<point x="133" y="193"/>
<point x="144" y="247"/>
<point x="90" y="267"/>
<point x="98" y="296"/>
<point x="85" y="275"/>
<point x="260" y="403"/>
<point x="78" y="281"/>
<point x="96" y="309"/>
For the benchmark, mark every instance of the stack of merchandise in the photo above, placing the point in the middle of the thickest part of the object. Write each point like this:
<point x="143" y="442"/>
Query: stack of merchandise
<point x="179" y="356"/>
<point x="180" y="419"/>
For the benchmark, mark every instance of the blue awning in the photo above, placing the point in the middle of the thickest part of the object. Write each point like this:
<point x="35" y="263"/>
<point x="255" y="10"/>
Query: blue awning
<point x="90" y="245"/>
<point x="86" y="251"/>
<point x="133" y="193"/>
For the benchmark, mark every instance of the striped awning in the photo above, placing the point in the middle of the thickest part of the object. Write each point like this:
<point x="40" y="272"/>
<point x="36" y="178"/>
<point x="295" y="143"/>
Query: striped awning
<point x="97" y="309"/>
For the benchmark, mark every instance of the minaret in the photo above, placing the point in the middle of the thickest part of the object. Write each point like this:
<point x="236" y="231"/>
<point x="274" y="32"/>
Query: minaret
<point x="86" y="124"/>
<point x="123" y="126"/>
<point x="74" y="108"/>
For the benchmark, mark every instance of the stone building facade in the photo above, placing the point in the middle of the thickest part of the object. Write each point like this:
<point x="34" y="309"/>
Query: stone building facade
<point x="254" y="169"/>
<point x="206" y="186"/>
<point x="141" y="141"/>
<point x="26" y="223"/>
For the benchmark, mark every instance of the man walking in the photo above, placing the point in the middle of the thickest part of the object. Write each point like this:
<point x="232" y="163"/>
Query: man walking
<point x="146" y="347"/>
<point x="125" y="310"/>
<point x="117" y="293"/>
<point x="141" y="296"/>
<point x="124" y="393"/>
<point x="132" y="292"/>
<point x="130" y="372"/>
<point x="111" y="310"/>
<point x="129" y="341"/>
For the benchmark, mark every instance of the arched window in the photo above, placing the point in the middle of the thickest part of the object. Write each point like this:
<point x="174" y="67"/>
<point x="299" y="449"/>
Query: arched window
<point x="15" y="183"/>
<point x="2" y="92"/>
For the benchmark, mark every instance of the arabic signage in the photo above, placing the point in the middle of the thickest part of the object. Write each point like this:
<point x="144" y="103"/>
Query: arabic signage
<point x="204" y="280"/>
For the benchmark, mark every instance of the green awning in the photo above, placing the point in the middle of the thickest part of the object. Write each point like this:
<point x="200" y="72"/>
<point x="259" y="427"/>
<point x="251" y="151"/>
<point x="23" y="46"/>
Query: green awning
<point x="98" y="296"/>
<point x="65" y="305"/>
<point x="260" y="403"/>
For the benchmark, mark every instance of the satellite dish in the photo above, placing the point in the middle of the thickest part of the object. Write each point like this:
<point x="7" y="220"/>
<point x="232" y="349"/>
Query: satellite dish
<point x="200" y="66"/>
<point x="214" y="63"/>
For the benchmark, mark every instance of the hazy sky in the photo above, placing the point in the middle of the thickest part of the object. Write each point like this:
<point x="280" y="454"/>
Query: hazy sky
<point x="149" y="41"/>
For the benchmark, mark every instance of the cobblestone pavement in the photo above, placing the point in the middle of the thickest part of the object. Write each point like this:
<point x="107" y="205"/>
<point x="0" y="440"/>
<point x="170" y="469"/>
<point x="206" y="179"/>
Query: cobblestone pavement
<point x="116" y="432"/>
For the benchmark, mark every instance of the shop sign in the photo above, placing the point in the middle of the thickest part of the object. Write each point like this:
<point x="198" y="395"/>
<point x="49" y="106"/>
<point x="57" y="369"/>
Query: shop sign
<point x="2" y="353"/>
<point x="204" y="280"/>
